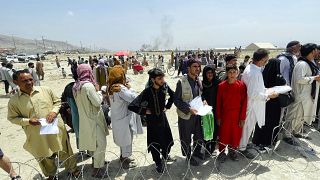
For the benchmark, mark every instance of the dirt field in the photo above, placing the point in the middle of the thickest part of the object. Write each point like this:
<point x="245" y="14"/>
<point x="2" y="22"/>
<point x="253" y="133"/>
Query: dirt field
<point x="286" y="162"/>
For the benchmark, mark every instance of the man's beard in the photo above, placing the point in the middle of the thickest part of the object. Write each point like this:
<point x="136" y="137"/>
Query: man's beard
<point x="158" y="84"/>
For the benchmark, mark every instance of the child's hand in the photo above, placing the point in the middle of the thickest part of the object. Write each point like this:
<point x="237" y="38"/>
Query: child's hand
<point x="241" y="123"/>
<point x="205" y="102"/>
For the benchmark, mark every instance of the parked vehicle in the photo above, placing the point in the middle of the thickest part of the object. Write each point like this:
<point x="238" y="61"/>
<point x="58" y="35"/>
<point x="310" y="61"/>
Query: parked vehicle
<point x="22" y="57"/>
<point x="12" y="59"/>
<point x="49" y="52"/>
<point x="42" y="56"/>
<point x="3" y="57"/>
<point x="32" y="57"/>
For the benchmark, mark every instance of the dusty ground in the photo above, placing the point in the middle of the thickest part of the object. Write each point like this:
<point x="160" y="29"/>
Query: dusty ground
<point x="287" y="162"/>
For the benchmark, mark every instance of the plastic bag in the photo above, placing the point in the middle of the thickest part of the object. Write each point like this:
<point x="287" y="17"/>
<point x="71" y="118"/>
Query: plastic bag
<point x="207" y="122"/>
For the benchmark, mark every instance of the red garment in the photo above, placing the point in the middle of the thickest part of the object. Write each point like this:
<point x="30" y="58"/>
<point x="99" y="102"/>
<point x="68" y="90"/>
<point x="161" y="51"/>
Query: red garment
<point x="138" y="67"/>
<point x="231" y="108"/>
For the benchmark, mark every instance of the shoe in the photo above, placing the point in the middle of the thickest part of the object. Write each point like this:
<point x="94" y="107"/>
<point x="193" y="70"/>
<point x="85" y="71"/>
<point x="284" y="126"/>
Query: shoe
<point x="248" y="154"/>
<point x="290" y="141"/>
<point x="160" y="167"/>
<point x="126" y="163"/>
<point x="306" y="137"/>
<point x="298" y="135"/>
<point x="207" y="155"/>
<point x="199" y="155"/>
<point x="193" y="161"/>
<point x="171" y="159"/>
<point x="222" y="157"/>
<point x="304" y="131"/>
<point x="261" y="149"/>
<point x="99" y="173"/>
<point x="127" y="159"/>
<point x="76" y="174"/>
<point x="234" y="156"/>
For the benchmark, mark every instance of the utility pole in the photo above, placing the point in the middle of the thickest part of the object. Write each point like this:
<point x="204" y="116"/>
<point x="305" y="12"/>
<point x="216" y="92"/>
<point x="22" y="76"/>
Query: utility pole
<point x="14" y="43"/>
<point x="36" y="43"/>
<point x="44" y="46"/>
<point x="67" y="46"/>
<point x="81" y="45"/>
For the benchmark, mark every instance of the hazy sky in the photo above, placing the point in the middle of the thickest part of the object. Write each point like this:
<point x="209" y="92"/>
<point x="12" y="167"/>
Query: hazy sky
<point x="127" y="24"/>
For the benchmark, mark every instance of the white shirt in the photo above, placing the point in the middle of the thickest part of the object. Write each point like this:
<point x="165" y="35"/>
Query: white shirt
<point x="2" y="73"/>
<point x="302" y="80"/>
<point x="257" y="97"/>
<point x="8" y="75"/>
<point x="34" y="76"/>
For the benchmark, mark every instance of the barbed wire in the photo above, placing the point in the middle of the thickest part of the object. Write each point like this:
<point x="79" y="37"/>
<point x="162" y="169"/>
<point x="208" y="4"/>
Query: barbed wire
<point x="265" y="159"/>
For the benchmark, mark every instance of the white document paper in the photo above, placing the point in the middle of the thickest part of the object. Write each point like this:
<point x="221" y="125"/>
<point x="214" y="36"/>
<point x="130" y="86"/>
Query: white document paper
<point x="197" y="104"/>
<point x="279" y="89"/>
<point x="47" y="128"/>
<point x="204" y="110"/>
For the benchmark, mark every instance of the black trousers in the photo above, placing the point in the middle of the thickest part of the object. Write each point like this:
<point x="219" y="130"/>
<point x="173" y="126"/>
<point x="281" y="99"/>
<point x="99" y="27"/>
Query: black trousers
<point x="187" y="128"/>
<point x="6" y="86"/>
<point x="179" y="70"/>
<point x="106" y="110"/>
<point x="156" y="150"/>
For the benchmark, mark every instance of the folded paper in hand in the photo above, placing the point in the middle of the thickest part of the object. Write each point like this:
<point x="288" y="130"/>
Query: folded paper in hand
<point x="279" y="89"/>
<point x="48" y="128"/>
<point x="197" y="104"/>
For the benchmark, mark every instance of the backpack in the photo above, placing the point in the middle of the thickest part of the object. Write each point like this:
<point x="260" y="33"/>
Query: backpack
<point x="290" y="58"/>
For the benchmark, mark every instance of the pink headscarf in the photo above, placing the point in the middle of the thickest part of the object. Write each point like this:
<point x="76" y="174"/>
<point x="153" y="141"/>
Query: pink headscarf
<point x="85" y="75"/>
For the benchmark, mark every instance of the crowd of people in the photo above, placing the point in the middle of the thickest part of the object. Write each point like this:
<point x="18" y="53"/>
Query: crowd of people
<point x="101" y="99"/>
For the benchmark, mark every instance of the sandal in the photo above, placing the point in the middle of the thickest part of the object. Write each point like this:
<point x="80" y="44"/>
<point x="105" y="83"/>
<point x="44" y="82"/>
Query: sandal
<point x="76" y="173"/>
<point x="52" y="178"/>
<point x="100" y="173"/>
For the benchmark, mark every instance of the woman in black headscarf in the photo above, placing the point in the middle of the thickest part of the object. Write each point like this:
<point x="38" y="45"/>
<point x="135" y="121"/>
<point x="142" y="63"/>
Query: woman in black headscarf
<point x="210" y="84"/>
<point x="267" y="135"/>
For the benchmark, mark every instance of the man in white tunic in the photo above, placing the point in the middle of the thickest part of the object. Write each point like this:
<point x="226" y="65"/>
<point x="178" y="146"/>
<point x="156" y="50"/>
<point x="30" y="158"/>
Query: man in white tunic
<point x="257" y="97"/>
<point x="33" y="74"/>
<point x="124" y="122"/>
<point x="92" y="125"/>
<point x="305" y="88"/>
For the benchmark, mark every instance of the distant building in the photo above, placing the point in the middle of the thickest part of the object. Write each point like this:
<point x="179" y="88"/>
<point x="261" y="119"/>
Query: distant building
<point x="7" y="50"/>
<point x="255" y="46"/>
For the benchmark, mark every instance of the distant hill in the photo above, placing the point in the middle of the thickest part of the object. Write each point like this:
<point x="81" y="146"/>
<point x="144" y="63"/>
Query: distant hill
<point x="34" y="45"/>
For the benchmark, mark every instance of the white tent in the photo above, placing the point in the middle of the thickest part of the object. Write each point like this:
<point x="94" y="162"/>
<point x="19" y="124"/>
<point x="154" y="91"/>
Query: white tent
<point x="255" y="46"/>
